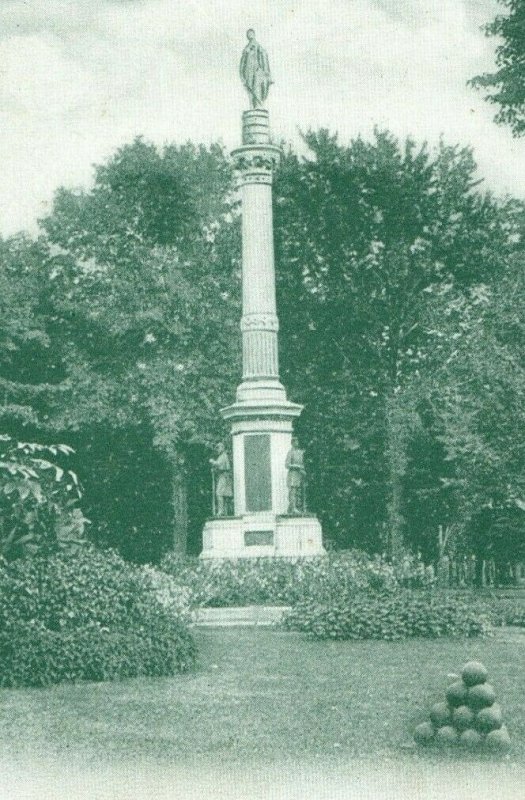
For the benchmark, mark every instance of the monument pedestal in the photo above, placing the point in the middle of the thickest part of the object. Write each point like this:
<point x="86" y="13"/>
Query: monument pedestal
<point x="262" y="535"/>
<point x="261" y="426"/>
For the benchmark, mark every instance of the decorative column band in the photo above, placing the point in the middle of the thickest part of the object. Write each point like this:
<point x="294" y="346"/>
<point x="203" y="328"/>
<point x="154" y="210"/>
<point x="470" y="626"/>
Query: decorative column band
<point x="264" y="322"/>
<point x="259" y="354"/>
<point x="259" y="346"/>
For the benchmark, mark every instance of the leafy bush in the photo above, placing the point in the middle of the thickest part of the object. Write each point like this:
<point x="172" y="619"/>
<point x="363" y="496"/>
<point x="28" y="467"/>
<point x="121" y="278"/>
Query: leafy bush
<point x="394" y="615"/>
<point x="277" y="581"/>
<point x="503" y="610"/>
<point x="38" y="499"/>
<point x="86" y="616"/>
<point x="172" y="596"/>
<point x="514" y="614"/>
<point x="499" y="610"/>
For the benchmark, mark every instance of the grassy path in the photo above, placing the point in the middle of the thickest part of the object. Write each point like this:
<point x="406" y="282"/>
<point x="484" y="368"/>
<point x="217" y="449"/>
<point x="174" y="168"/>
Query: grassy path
<point x="262" y="703"/>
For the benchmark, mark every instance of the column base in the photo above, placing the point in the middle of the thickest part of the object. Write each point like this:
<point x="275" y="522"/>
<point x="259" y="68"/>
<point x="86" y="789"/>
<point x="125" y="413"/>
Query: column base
<point x="262" y="535"/>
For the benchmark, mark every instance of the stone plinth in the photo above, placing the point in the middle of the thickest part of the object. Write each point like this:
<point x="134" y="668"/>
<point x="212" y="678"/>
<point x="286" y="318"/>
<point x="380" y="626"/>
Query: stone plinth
<point x="259" y="535"/>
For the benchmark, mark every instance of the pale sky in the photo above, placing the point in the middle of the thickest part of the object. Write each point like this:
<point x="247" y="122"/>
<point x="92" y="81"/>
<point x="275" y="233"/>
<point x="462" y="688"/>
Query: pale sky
<point x="78" y="78"/>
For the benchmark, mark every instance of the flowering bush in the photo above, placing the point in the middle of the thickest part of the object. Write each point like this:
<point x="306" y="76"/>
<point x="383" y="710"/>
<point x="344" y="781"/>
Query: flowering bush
<point x="394" y="615"/>
<point x="86" y="616"/>
<point x="277" y="581"/>
<point x="175" y="598"/>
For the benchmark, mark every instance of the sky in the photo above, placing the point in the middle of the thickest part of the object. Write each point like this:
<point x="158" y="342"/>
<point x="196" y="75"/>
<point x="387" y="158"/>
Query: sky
<point x="79" y="78"/>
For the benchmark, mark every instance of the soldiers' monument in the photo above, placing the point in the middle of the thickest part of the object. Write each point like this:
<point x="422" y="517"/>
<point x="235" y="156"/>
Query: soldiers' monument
<point x="268" y="473"/>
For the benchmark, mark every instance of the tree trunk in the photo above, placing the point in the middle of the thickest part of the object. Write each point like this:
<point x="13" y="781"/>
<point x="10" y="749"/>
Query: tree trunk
<point x="180" y="506"/>
<point x="396" y="467"/>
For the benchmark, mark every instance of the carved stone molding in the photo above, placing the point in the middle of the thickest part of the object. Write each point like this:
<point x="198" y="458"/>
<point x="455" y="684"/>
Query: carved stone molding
<point x="260" y="322"/>
<point x="255" y="177"/>
<point x="256" y="158"/>
<point x="255" y="127"/>
<point x="256" y="161"/>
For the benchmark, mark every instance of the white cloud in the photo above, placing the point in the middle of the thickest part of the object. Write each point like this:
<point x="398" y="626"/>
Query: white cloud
<point x="80" y="77"/>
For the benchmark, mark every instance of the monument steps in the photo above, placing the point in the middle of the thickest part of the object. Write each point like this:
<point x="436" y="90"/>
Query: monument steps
<point x="239" y="616"/>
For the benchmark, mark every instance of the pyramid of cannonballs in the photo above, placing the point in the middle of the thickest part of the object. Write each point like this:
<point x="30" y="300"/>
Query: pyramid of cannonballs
<point x="470" y="716"/>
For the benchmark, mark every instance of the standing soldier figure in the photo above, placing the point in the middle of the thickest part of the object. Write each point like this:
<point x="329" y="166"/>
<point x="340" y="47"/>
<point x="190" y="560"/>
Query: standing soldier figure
<point x="295" y="478"/>
<point x="223" y="484"/>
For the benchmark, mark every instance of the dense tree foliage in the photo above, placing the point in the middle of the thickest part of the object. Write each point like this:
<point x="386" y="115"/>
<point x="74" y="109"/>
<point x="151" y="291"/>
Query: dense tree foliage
<point x="506" y="86"/>
<point x="133" y="306"/>
<point x="476" y="389"/>
<point x="368" y="236"/>
<point x="30" y="370"/>
<point x="143" y="297"/>
<point x="400" y="297"/>
<point x="39" y="513"/>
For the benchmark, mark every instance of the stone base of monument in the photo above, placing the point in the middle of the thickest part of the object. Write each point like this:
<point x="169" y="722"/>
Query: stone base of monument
<point x="262" y="535"/>
<point x="239" y="616"/>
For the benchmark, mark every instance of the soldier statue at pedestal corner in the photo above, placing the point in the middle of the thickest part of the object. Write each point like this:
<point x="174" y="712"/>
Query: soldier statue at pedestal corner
<point x="222" y="483"/>
<point x="295" y="478"/>
<point x="255" y="71"/>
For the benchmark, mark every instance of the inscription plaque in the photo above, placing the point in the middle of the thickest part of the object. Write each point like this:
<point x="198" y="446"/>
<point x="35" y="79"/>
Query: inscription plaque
<point x="257" y="472"/>
<point x="254" y="538"/>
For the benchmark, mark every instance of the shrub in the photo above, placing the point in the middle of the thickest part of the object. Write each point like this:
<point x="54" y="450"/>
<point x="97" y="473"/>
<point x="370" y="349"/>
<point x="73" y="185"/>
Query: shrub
<point x="394" y="615"/>
<point x="36" y="656"/>
<point x="507" y="612"/>
<point x="38" y="500"/>
<point x="86" y="616"/>
<point x="277" y="581"/>
<point x="171" y="595"/>
<point x="500" y="610"/>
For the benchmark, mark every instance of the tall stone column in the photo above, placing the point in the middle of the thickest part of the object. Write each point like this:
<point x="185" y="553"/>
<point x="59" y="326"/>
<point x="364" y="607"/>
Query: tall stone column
<point x="261" y="417"/>
<point x="255" y="162"/>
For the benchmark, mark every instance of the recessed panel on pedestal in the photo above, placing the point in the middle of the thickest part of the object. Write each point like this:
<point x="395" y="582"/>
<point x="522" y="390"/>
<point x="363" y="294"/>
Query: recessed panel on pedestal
<point x="258" y="538"/>
<point x="257" y="472"/>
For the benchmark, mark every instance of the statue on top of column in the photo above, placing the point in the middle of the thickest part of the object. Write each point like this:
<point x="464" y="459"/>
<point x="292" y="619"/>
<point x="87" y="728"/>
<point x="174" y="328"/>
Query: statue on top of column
<point x="255" y="71"/>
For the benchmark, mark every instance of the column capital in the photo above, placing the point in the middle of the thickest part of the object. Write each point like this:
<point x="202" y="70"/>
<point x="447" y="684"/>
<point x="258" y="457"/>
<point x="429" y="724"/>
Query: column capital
<point x="256" y="162"/>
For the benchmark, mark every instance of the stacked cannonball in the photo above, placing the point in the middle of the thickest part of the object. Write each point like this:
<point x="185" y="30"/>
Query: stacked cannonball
<point x="470" y="716"/>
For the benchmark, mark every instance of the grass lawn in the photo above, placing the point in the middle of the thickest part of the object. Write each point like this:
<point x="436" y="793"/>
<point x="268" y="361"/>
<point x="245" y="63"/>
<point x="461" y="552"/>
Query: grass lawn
<point x="264" y="697"/>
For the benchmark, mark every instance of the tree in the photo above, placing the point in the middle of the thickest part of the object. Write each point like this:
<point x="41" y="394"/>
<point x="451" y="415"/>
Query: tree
<point x="365" y="236"/>
<point x="507" y="85"/>
<point x="429" y="500"/>
<point x="383" y="252"/>
<point x="30" y="369"/>
<point x="144" y="293"/>
<point x="477" y="391"/>
<point x="39" y="495"/>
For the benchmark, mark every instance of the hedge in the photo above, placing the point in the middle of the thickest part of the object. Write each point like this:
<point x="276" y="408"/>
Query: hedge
<point x="395" y="615"/>
<point x="86" y="616"/>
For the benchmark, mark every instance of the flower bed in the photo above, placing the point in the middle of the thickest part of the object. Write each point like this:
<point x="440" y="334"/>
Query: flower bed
<point x="277" y="581"/>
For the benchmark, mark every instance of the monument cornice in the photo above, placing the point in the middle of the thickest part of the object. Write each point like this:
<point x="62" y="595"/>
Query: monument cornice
<point x="259" y="409"/>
